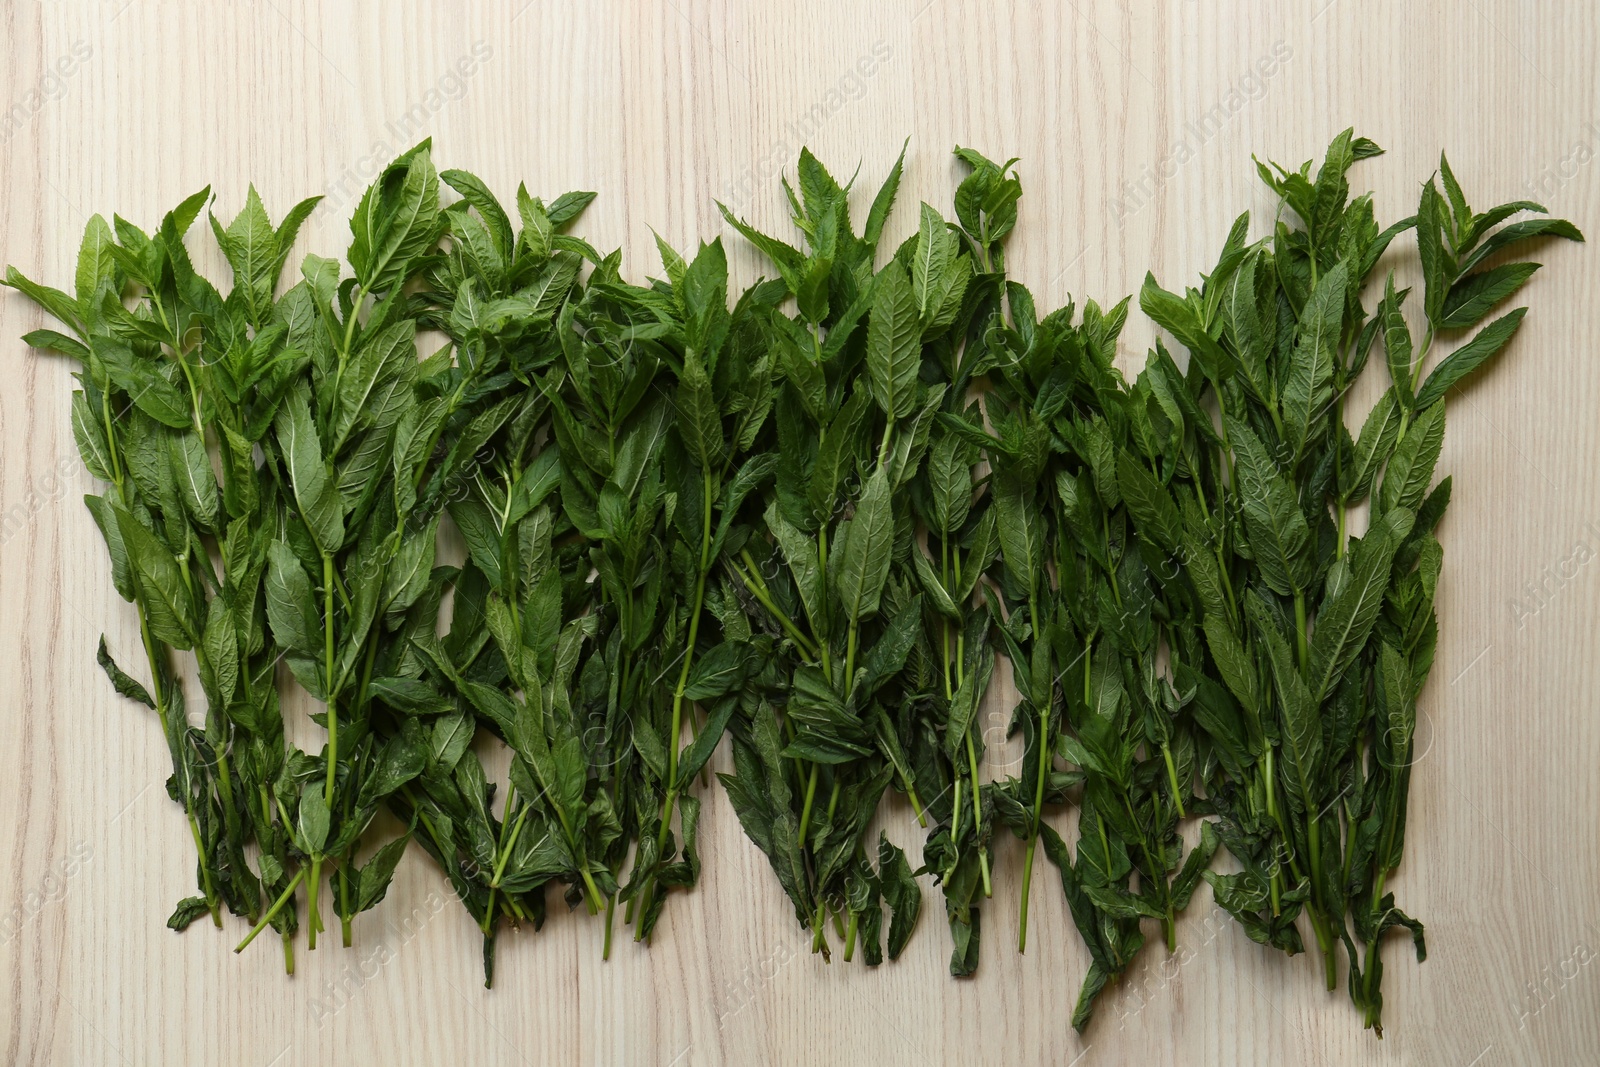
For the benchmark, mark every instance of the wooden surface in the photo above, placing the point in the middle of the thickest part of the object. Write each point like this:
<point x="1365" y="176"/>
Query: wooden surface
<point x="1127" y="164"/>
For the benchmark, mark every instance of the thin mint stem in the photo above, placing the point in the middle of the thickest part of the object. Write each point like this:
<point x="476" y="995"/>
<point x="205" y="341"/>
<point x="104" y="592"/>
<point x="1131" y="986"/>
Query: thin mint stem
<point x="313" y="916"/>
<point x="611" y="907"/>
<point x="1027" y="877"/>
<point x="225" y="788"/>
<point x="822" y="592"/>
<point x="277" y="906"/>
<point x="593" y="896"/>
<point x="758" y="589"/>
<point x="1300" y="629"/>
<point x="955" y="830"/>
<point x="333" y="715"/>
<point x="205" y="868"/>
<point x="977" y="815"/>
<point x="671" y="798"/>
<point x="1033" y="832"/>
<point x="500" y="866"/>
<point x="349" y="334"/>
<point x="494" y="882"/>
<point x="805" y="808"/>
<point x="344" y="904"/>
<point x="850" y="655"/>
<point x="916" y="801"/>
<point x="1172" y="779"/>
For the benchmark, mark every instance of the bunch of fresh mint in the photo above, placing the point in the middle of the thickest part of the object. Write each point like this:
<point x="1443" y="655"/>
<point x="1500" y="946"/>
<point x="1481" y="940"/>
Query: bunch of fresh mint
<point x="810" y="518"/>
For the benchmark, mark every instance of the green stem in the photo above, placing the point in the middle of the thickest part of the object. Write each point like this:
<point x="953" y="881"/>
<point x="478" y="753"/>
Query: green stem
<point x="111" y="441"/>
<point x="593" y="896"/>
<point x="1338" y="473"/>
<point x="805" y="808"/>
<point x="1275" y="812"/>
<point x="977" y="816"/>
<point x="357" y="297"/>
<point x="955" y="831"/>
<point x="194" y="394"/>
<point x="1319" y="923"/>
<point x="820" y="626"/>
<point x="1300" y="629"/>
<point x="683" y="682"/>
<point x="955" y="817"/>
<point x="1157" y="873"/>
<point x="1330" y="963"/>
<point x="758" y="589"/>
<point x="818" y="942"/>
<point x="1033" y="830"/>
<point x="366" y="670"/>
<point x="230" y="812"/>
<point x="944" y="624"/>
<point x="1369" y="980"/>
<point x="916" y="801"/>
<point x="1027" y="878"/>
<point x="611" y="907"/>
<point x="205" y="869"/>
<point x="505" y="856"/>
<point x="1268" y="786"/>
<point x="503" y="850"/>
<point x="488" y="914"/>
<point x="344" y="903"/>
<point x="850" y="655"/>
<point x="1386" y="849"/>
<point x="313" y="917"/>
<point x="1172" y="779"/>
<point x="1344" y="870"/>
<point x="1222" y="567"/>
<point x="333" y="714"/>
<point x="277" y="906"/>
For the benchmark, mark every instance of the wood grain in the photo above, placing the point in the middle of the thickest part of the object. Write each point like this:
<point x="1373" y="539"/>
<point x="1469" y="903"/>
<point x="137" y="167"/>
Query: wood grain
<point x="1135" y="127"/>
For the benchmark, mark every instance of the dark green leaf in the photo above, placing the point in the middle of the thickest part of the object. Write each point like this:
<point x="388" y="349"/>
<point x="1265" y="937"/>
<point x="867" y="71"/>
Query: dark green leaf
<point x="124" y="685"/>
<point x="859" y="561"/>
<point x="1469" y="357"/>
<point x="1472" y="297"/>
<point x="378" y="871"/>
<point x="894" y="343"/>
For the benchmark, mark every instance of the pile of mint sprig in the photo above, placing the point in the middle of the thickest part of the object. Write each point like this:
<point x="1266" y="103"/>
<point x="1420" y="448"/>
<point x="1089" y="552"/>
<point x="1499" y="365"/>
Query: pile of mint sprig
<point x="1316" y="643"/>
<point x="811" y="517"/>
